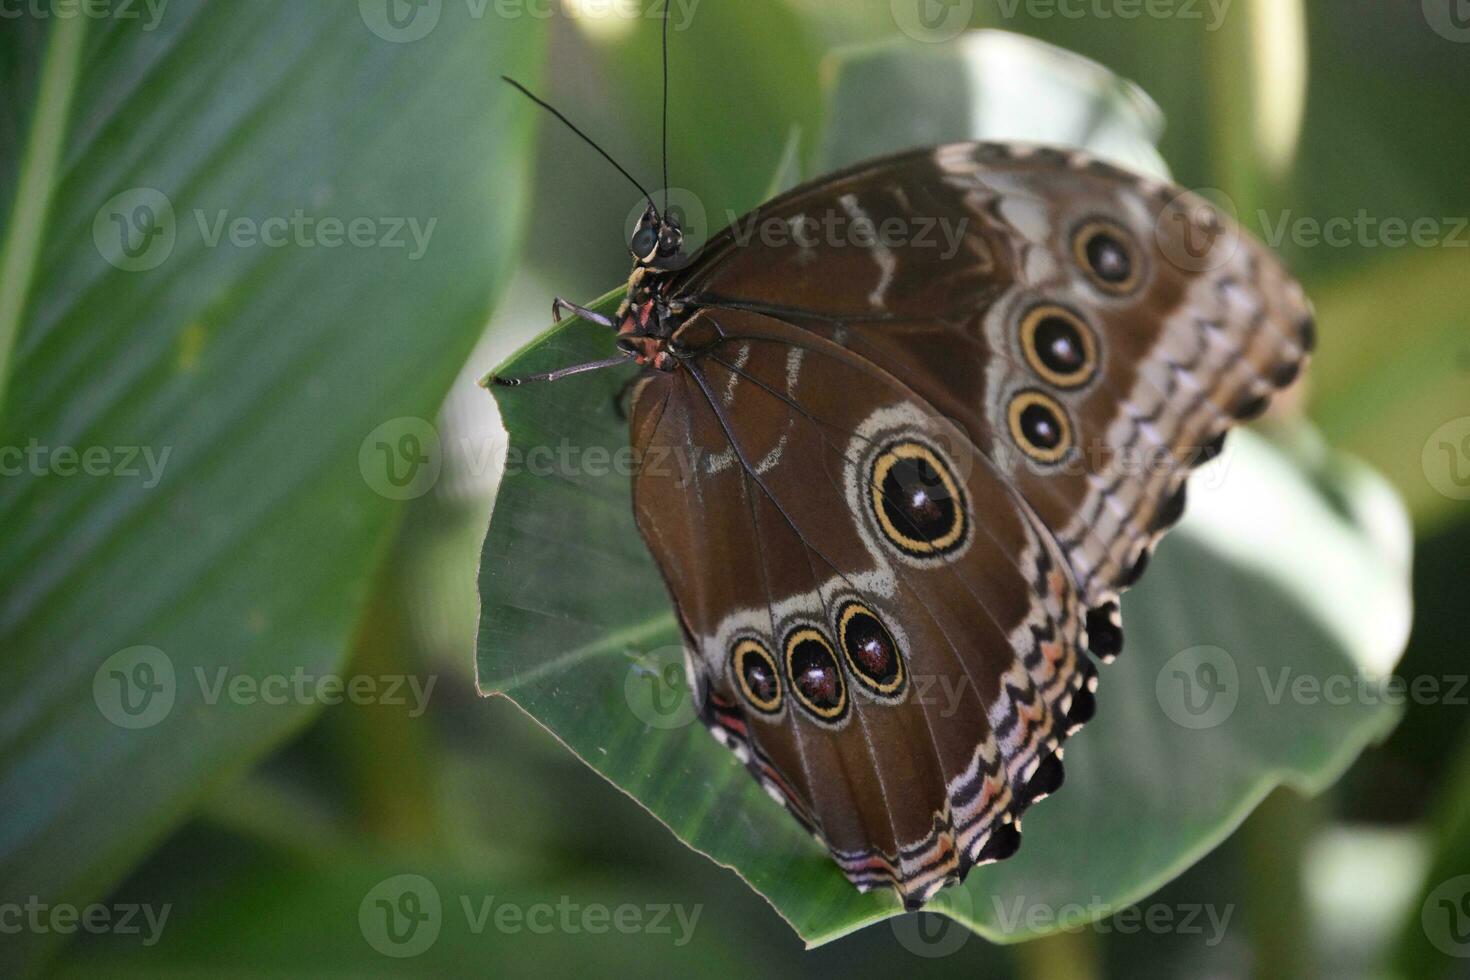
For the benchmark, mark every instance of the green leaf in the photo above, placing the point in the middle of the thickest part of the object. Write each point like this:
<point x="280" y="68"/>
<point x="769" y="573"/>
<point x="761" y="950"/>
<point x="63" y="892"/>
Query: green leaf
<point x="222" y="374"/>
<point x="1293" y="562"/>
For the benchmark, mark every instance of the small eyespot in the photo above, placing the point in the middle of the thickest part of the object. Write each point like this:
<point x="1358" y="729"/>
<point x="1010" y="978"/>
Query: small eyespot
<point x="757" y="675"/>
<point x="917" y="501"/>
<point x="1109" y="256"/>
<point x="872" y="653"/>
<point x="815" y="675"/>
<point x="1039" y="426"/>
<point x="1059" y="346"/>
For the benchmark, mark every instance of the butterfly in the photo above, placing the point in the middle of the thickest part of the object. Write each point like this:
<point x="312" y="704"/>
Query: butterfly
<point x="923" y="475"/>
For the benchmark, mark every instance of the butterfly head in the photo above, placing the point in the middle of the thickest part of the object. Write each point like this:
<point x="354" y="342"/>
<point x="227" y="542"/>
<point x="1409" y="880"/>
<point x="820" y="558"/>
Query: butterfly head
<point x="657" y="239"/>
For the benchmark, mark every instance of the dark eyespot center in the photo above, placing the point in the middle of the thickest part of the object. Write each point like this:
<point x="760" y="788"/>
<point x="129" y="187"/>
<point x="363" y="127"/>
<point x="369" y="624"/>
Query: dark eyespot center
<point x="917" y="499"/>
<point x="1040" y="426"/>
<point x="1060" y="345"/>
<point x="1109" y="258"/>
<point x="760" y="677"/>
<point x="816" y="674"/>
<point x="871" y="647"/>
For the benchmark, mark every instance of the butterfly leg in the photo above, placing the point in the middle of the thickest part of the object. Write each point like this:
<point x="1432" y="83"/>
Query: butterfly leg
<point x="559" y="306"/>
<point x="557" y="375"/>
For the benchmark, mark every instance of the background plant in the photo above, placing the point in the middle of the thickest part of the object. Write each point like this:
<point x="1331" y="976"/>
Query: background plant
<point x="265" y="548"/>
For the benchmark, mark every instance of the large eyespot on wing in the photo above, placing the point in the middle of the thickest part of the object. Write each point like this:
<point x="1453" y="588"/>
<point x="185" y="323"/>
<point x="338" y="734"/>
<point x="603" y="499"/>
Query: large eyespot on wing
<point x="1079" y="305"/>
<point x="916" y="500"/>
<point x="924" y="698"/>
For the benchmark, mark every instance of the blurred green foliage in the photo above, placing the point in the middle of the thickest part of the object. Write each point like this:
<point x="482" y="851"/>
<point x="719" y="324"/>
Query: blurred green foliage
<point x="267" y="370"/>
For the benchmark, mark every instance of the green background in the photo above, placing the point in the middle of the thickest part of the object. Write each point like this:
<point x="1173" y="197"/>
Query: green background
<point x="269" y="546"/>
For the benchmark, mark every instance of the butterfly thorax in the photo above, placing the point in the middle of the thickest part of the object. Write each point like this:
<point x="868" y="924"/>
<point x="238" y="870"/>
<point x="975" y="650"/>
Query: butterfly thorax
<point x="648" y="317"/>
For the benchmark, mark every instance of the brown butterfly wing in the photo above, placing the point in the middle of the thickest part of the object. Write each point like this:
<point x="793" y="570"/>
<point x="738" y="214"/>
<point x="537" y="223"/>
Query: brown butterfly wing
<point x="1068" y="340"/>
<point x="906" y="705"/>
<point x="986" y="298"/>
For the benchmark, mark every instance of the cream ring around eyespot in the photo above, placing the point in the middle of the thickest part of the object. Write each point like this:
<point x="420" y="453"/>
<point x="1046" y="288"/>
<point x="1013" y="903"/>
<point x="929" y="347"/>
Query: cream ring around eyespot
<point x="746" y="648"/>
<point x="807" y="634"/>
<point x="1015" y="413"/>
<point x="1032" y="350"/>
<point x="889" y="458"/>
<point x="849" y="612"/>
<point x="1102" y="226"/>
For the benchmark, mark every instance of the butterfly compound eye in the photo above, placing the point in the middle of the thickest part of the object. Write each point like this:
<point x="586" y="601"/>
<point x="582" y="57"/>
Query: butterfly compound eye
<point x="1109" y="256"/>
<point x="645" y="240"/>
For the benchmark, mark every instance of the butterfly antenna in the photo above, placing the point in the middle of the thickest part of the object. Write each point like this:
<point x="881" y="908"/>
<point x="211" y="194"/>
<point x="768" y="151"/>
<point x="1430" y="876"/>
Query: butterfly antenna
<point x="666" y="107"/>
<point x="585" y="138"/>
